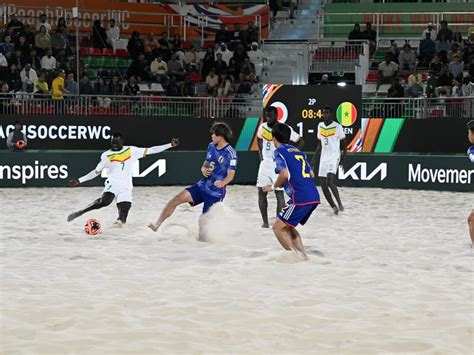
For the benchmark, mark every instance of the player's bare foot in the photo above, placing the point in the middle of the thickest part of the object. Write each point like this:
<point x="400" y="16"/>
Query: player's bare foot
<point x="341" y="209"/>
<point x="153" y="227"/>
<point x="118" y="224"/>
<point x="265" y="225"/>
<point x="335" y="210"/>
<point x="73" y="216"/>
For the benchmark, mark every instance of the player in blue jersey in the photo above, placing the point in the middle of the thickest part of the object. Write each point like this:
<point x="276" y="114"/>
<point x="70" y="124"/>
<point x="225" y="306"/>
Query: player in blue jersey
<point x="296" y="176"/>
<point x="470" y="153"/>
<point x="218" y="170"/>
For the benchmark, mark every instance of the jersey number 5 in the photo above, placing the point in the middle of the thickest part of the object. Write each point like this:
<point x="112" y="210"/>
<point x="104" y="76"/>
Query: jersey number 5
<point x="303" y="166"/>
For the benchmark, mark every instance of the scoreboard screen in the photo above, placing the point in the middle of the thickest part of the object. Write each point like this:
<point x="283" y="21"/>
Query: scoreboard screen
<point x="301" y="106"/>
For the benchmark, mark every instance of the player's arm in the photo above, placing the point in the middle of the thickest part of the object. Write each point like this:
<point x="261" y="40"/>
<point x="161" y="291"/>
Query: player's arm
<point x="317" y="152"/>
<point x="282" y="170"/>
<point x="92" y="174"/>
<point x="343" y="145"/>
<point x="228" y="179"/>
<point x="260" y="148"/>
<point x="161" y="148"/>
<point x="10" y="140"/>
<point x="205" y="169"/>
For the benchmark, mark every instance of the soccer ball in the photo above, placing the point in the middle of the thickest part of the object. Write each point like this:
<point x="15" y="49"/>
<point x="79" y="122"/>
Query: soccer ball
<point x="92" y="227"/>
<point x="20" y="144"/>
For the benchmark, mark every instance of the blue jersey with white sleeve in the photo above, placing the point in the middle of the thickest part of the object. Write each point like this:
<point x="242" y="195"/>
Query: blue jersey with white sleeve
<point x="470" y="153"/>
<point x="220" y="162"/>
<point x="299" y="186"/>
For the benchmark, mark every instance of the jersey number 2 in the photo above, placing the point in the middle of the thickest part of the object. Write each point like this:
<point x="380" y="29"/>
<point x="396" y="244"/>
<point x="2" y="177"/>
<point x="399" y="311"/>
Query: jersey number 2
<point x="303" y="165"/>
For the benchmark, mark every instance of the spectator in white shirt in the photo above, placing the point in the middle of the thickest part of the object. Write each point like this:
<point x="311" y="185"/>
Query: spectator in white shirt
<point x="28" y="77"/>
<point x="43" y="22"/>
<point x="113" y="33"/>
<point x="429" y="29"/>
<point x="212" y="82"/>
<point x="159" y="71"/>
<point x="256" y="57"/>
<point x="387" y="72"/>
<point x="48" y="62"/>
<point x="3" y="60"/>
<point x="226" y="54"/>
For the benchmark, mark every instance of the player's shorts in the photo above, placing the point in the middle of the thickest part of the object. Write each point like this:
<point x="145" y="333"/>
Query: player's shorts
<point x="266" y="174"/>
<point x="200" y="196"/>
<point x="122" y="193"/>
<point x="293" y="214"/>
<point x="328" y="167"/>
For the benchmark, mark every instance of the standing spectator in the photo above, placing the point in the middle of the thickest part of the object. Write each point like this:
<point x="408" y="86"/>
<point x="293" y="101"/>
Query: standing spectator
<point x="222" y="35"/>
<point x="159" y="71"/>
<point x="113" y="33"/>
<point x="16" y="26"/>
<point x="41" y="86"/>
<point x="448" y="34"/>
<point x="175" y="68"/>
<point x="13" y="78"/>
<point x="212" y="81"/>
<point x="7" y="47"/>
<point x="220" y="66"/>
<point x="99" y="36"/>
<point x="135" y="45"/>
<point x="115" y="87"/>
<point x="131" y="89"/>
<point x="43" y="22"/>
<point x="57" y="92"/>
<point x="208" y="62"/>
<point x="442" y="47"/>
<point x="6" y="100"/>
<point x="435" y="66"/>
<point x="370" y="35"/>
<point x="249" y="35"/>
<point x="42" y="41"/>
<point x="191" y="58"/>
<point x="85" y="87"/>
<point x="235" y="35"/>
<point x="22" y="45"/>
<point x="70" y="86"/>
<point x="28" y="77"/>
<point x="102" y="90"/>
<point x="407" y="58"/>
<point x="387" y="72"/>
<point x="456" y="67"/>
<point x="444" y="82"/>
<point x="16" y="136"/>
<point x="454" y="51"/>
<point x="48" y="62"/>
<point x="139" y="68"/>
<point x="356" y="33"/>
<point x="226" y="54"/>
<point x="431" y="31"/>
<point x="427" y="50"/>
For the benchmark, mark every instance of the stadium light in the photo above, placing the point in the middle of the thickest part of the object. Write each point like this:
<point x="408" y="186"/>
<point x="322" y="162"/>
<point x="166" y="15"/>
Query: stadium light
<point x="341" y="84"/>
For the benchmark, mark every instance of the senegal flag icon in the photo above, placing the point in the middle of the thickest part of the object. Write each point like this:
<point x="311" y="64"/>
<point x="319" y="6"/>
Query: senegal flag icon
<point x="346" y="114"/>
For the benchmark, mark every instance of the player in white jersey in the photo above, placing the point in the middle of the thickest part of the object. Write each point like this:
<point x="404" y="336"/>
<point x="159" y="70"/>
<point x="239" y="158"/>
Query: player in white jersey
<point x="119" y="162"/>
<point x="331" y="141"/>
<point x="266" y="171"/>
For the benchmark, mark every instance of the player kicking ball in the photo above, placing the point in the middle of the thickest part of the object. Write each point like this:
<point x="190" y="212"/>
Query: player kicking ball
<point x="218" y="170"/>
<point x="266" y="170"/>
<point x="330" y="137"/>
<point x="296" y="176"/>
<point x="119" y="162"/>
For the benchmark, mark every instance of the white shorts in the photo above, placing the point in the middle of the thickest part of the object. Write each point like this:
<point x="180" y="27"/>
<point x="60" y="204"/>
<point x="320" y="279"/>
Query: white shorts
<point x="328" y="167"/>
<point x="122" y="193"/>
<point x="266" y="174"/>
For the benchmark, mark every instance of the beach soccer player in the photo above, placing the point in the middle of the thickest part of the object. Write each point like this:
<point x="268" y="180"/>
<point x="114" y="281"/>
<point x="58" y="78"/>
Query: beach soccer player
<point x="218" y="170"/>
<point x="296" y="176"/>
<point x="470" y="153"/>
<point x="266" y="170"/>
<point x="332" y="145"/>
<point x="119" y="161"/>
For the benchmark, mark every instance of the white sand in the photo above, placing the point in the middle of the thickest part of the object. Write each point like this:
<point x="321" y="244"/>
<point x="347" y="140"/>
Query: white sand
<point x="393" y="274"/>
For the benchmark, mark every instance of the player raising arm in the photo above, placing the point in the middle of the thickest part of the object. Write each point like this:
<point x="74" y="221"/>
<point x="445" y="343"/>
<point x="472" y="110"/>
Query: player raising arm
<point x="118" y="161"/>
<point x="218" y="170"/>
<point x="296" y="176"/>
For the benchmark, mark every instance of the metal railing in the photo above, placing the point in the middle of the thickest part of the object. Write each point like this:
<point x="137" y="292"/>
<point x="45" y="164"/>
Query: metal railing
<point x="157" y="106"/>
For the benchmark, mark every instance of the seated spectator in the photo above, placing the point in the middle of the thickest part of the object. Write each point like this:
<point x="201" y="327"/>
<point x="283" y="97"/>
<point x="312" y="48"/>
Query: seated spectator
<point x="387" y="72"/>
<point x="13" y="78"/>
<point x="164" y="52"/>
<point x="457" y="89"/>
<point x="456" y="67"/>
<point x="23" y="46"/>
<point x="135" y="45"/>
<point x="17" y="59"/>
<point x="163" y="40"/>
<point x="48" y="62"/>
<point x="43" y="22"/>
<point x="113" y="33"/>
<point x="28" y="78"/>
<point x="208" y="62"/>
<point x="415" y="82"/>
<point x="188" y="89"/>
<point x="468" y="87"/>
<point x="407" y="58"/>
<point x="85" y="86"/>
<point x="175" y="68"/>
<point x="99" y="36"/>
<point x="393" y="53"/>
<point x="444" y="82"/>
<point x="427" y="50"/>
<point x="458" y="40"/>
<point x="226" y="54"/>
<point x="101" y="89"/>
<point x="139" y="68"/>
<point x="149" y="56"/>
<point x="226" y="87"/>
<point x="256" y="57"/>
<point x="42" y="41"/>
<point x="240" y="54"/>
<point x="7" y="47"/>
<point x="445" y="31"/>
<point x="15" y="136"/>
<point x="41" y="86"/>
<point x="59" y="40"/>
<point x="248" y="64"/>
<point x="431" y="31"/>
<point x="6" y="100"/>
<point x="16" y="26"/>
<point x="470" y="67"/>
<point x="159" y="71"/>
<point x="468" y="53"/>
<point x="62" y="24"/>
<point x="63" y="62"/>
<point x="175" y="43"/>
<point x="454" y="51"/>
<point x="233" y="69"/>
<point x="191" y="58"/>
<point x="131" y="88"/>
<point x="435" y="66"/>
<point x="212" y="82"/>
<point x="442" y="47"/>
<point x="356" y="33"/>
<point x="247" y="79"/>
<point x="173" y="88"/>
<point x="115" y="87"/>
<point x="250" y="35"/>
<point x="395" y="90"/>
<point x="222" y="35"/>
<point x="70" y="86"/>
<point x="220" y="66"/>
<point x="34" y="60"/>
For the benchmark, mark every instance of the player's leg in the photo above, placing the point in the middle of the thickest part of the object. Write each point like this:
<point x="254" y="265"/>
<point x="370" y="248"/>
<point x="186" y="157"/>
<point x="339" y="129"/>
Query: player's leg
<point x="323" y="178"/>
<point x="263" y="206"/>
<point x="105" y="200"/>
<point x="280" y="229"/>
<point x="265" y="172"/>
<point x="280" y="196"/>
<point x="183" y="197"/>
<point x="470" y="221"/>
<point x="332" y="185"/>
<point x="123" y="208"/>
<point x="297" y="243"/>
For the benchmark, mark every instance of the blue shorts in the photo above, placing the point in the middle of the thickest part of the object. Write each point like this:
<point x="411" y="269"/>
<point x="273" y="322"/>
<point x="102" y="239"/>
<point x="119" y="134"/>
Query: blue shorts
<point x="294" y="214"/>
<point x="200" y="196"/>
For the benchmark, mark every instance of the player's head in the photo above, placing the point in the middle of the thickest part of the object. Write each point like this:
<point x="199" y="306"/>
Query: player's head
<point x="220" y="131"/>
<point x="117" y="141"/>
<point x="271" y="115"/>
<point x="470" y="134"/>
<point x="327" y="114"/>
<point x="281" y="134"/>
<point x="18" y="125"/>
